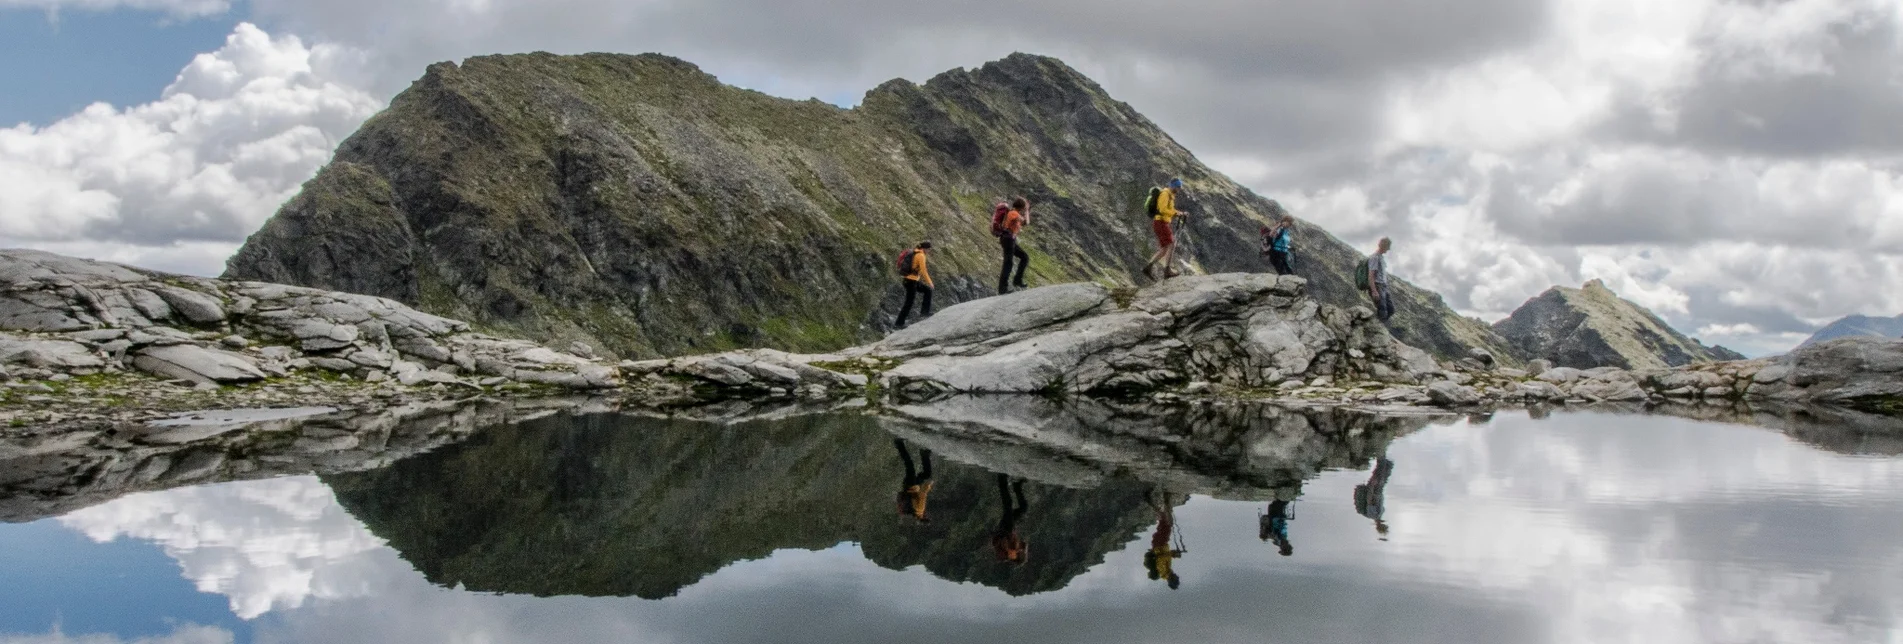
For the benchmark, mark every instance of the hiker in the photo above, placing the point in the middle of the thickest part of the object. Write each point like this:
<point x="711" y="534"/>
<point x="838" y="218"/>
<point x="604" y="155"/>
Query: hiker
<point x="1372" y="277"/>
<point x="1163" y="212"/>
<point x="1371" y="497"/>
<point x="917" y="484"/>
<point x="1275" y="526"/>
<point x="1160" y="559"/>
<point x="918" y="279"/>
<point x="1005" y="541"/>
<point x="1275" y="244"/>
<point x="1010" y="220"/>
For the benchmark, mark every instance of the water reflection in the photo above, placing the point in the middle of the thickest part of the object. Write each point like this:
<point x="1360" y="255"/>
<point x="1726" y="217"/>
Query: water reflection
<point x="1578" y="528"/>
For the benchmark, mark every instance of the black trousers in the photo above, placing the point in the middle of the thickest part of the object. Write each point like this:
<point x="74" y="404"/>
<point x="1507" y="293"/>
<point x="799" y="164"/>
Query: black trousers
<point x="1279" y="259"/>
<point x="912" y="289"/>
<point x="1009" y="243"/>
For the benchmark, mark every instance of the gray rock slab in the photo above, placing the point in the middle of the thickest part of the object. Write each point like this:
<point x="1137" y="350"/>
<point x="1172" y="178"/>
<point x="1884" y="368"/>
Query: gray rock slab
<point x="198" y="364"/>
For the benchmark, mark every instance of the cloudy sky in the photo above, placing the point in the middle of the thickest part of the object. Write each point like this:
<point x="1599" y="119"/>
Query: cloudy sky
<point x="1736" y="165"/>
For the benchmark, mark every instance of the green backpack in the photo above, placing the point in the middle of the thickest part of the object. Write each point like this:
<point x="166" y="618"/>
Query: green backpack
<point x="1361" y="276"/>
<point x="1149" y="205"/>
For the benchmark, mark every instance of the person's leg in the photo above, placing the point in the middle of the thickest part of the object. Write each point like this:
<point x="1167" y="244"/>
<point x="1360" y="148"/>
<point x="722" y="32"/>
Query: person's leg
<point x="926" y="456"/>
<point x="1279" y="259"/>
<point x="905" y="456"/>
<point x="1005" y="244"/>
<point x="1024" y="262"/>
<point x="926" y="310"/>
<point x="905" y="310"/>
<point x="1018" y="489"/>
<point x="1387" y="304"/>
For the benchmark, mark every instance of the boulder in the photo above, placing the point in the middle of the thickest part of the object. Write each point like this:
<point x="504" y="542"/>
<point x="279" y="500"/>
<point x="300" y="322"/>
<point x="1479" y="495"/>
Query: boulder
<point x="197" y="364"/>
<point x="1561" y="375"/>
<point x="1447" y="394"/>
<point x="1538" y="367"/>
<point x="60" y="355"/>
<point x="197" y="308"/>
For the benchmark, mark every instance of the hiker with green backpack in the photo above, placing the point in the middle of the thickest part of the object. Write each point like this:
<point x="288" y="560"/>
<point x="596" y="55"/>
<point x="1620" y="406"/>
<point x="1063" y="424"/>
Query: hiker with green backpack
<point x="1371" y="277"/>
<point x="918" y="280"/>
<point x="1161" y="206"/>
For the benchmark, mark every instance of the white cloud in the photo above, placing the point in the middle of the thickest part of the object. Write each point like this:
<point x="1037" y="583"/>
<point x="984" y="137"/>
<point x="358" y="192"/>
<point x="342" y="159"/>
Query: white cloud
<point x="229" y="141"/>
<point x="264" y="544"/>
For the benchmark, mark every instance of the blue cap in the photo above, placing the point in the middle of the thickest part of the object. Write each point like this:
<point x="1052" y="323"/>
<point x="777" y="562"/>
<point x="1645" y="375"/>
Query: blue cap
<point x="1176" y="183"/>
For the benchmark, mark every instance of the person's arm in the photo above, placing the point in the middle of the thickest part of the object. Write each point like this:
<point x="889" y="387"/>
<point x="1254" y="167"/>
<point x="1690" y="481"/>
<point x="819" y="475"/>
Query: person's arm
<point x="1375" y="268"/>
<point x="924" y="271"/>
<point x="1167" y="204"/>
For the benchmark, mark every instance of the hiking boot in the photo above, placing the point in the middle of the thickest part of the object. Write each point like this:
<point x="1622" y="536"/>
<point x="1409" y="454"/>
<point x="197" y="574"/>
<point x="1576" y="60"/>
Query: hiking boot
<point x="1170" y="273"/>
<point x="1020" y="286"/>
<point x="1149" y="272"/>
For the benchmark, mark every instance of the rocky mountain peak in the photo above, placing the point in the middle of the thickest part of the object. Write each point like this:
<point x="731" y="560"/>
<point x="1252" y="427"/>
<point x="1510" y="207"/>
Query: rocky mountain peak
<point x="1592" y="327"/>
<point x="636" y="204"/>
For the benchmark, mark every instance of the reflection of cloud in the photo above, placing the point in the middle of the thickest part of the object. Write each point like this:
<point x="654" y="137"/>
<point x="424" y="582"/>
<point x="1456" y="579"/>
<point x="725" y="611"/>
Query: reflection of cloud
<point x="1582" y="528"/>
<point x="183" y="634"/>
<point x="264" y="544"/>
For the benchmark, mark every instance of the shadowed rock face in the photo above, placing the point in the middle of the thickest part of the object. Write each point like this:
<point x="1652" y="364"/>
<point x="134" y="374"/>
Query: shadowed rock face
<point x="1593" y="327"/>
<point x="647" y="507"/>
<point x="636" y="203"/>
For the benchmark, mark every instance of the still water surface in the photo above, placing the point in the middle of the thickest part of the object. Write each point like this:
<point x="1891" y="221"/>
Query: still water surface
<point x="1575" y="528"/>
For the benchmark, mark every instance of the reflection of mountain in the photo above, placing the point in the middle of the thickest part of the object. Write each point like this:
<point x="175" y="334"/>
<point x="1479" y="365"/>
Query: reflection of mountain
<point x="621" y="506"/>
<point x="614" y="505"/>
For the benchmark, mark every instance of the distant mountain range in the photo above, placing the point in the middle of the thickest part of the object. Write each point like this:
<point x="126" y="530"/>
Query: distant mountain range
<point x="1858" y="325"/>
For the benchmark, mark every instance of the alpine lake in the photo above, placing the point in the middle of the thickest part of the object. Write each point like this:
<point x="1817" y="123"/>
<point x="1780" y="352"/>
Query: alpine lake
<point x="961" y="520"/>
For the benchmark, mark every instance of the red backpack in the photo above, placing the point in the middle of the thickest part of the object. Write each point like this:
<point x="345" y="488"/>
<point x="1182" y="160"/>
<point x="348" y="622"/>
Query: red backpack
<point x="997" y="219"/>
<point x="905" y="262"/>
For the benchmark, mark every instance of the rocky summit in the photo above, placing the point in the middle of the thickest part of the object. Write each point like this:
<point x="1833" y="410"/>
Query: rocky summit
<point x="637" y="204"/>
<point x="1593" y="327"/>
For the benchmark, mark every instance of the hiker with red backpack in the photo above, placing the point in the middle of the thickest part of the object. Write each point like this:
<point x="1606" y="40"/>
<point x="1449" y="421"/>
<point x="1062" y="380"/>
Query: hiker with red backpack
<point x="1161" y="206"/>
<point x="1007" y="220"/>
<point x="918" y="279"/>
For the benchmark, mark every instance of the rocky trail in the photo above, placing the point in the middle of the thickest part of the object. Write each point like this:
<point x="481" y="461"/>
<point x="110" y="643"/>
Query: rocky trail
<point x="92" y="342"/>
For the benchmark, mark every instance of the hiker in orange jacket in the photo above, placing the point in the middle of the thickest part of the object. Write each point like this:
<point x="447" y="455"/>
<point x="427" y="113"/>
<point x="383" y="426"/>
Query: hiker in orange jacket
<point x="918" y="281"/>
<point x="1013" y="224"/>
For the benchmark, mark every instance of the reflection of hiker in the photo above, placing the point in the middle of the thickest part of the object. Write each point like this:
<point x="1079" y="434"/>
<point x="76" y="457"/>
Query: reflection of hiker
<point x="1007" y="223"/>
<point x="918" y="280"/>
<point x="1371" y="277"/>
<point x="917" y="484"/>
<point x="1275" y="524"/>
<point x="1371" y="497"/>
<point x="1005" y="540"/>
<point x="1161" y="207"/>
<point x="1161" y="557"/>
<point x="1275" y="244"/>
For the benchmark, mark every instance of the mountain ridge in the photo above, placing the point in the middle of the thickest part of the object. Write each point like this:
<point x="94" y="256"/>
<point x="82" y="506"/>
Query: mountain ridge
<point x="637" y="204"/>
<point x="1857" y="325"/>
<point x="1592" y="326"/>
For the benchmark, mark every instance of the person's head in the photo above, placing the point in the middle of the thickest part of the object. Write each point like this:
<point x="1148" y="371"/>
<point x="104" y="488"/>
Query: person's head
<point x="1381" y="527"/>
<point x="1288" y="220"/>
<point x="925" y="245"/>
<point x="1176" y="184"/>
<point x="1384" y="245"/>
<point x="1287" y="548"/>
<point x="1175" y="581"/>
<point x="1020" y="204"/>
<point x="1149" y="564"/>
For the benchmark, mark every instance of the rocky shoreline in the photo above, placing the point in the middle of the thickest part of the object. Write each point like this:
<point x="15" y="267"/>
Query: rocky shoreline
<point x="92" y="343"/>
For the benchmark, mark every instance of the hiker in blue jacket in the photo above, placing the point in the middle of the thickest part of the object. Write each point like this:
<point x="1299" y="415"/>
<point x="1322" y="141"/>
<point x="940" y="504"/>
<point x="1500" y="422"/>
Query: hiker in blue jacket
<point x="1275" y="244"/>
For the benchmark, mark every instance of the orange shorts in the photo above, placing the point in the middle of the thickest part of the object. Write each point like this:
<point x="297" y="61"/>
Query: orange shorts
<point x="1165" y="236"/>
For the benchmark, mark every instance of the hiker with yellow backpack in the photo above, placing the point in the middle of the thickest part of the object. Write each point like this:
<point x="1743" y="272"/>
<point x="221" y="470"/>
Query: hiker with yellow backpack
<point x="1161" y="206"/>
